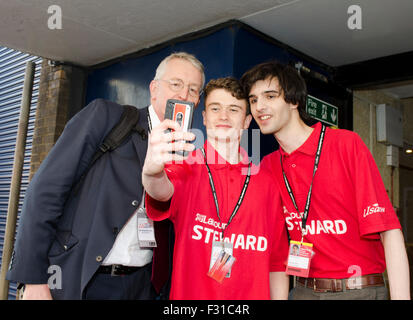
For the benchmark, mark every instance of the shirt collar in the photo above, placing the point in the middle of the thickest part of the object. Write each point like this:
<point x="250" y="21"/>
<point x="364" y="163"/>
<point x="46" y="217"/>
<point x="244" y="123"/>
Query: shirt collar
<point x="154" y="117"/>
<point x="218" y="162"/>
<point x="310" y="145"/>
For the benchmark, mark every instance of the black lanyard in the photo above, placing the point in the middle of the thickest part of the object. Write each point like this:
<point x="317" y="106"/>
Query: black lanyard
<point x="214" y="193"/>
<point x="290" y="192"/>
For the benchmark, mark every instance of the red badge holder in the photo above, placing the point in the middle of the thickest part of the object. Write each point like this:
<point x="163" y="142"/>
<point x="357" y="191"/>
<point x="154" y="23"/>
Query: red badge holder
<point x="221" y="266"/>
<point x="299" y="259"/>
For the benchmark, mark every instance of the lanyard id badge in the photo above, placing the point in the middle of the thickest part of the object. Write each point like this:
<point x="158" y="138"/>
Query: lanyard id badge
<point x="221" y="261"/>
<point x="299" y="259"/>
<point x="301" y="253"/>
<point x="146" y="231"/>
<point x="221" y="254"/>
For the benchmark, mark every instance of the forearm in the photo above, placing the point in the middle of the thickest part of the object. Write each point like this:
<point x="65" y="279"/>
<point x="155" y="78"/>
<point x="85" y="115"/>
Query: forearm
<point x="397" y="264"/>
<point x="158" y="186"/>
<point x="279" y="285"/>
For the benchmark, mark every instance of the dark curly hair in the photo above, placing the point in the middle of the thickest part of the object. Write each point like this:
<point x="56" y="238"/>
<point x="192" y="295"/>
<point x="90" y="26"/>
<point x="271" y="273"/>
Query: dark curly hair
<point x="292" y="85"/>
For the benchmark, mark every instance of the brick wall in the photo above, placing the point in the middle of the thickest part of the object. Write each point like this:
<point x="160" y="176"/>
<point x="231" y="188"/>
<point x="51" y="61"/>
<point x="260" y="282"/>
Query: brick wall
<point x="60" y="96"/>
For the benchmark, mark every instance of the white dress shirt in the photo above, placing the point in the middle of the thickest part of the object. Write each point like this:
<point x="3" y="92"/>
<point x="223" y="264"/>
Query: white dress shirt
<point x="126" y="250"/>
<point x="154" y="117"/>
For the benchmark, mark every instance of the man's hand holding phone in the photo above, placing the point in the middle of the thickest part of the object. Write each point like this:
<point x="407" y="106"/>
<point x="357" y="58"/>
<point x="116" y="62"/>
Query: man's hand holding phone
<point x="168" y="142"/>
<point x="165" y="141"/>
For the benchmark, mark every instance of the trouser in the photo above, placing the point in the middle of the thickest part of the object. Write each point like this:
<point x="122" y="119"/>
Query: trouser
<point x="369" y="293"/>
<point x="134" y="286"/>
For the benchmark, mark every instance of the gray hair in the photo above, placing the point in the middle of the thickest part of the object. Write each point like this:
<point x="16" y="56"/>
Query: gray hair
<point x="184" y="56"/>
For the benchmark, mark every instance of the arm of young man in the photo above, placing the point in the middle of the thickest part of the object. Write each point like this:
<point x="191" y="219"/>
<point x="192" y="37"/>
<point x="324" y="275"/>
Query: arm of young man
<point x="279" y="285"/>
<point x="371" y="192"/>
<point x="397" y="264"/>
<point x="154" y="179"/>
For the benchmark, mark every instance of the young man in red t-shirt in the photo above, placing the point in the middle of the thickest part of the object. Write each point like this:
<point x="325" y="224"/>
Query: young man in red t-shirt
<point x="217" y="194"/>
<point x="335" y="204"/>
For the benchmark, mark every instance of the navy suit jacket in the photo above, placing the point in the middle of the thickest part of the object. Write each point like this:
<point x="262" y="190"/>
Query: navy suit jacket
<point x="76" y="233"/>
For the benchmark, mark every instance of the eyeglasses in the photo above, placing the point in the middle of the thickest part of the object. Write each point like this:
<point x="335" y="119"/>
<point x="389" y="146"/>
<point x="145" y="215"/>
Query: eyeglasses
<point x="177" y="85"/>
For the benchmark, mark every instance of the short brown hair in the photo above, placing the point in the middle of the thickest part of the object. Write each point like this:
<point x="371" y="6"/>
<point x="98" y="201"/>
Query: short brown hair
<point x="292" y="85"/>
<point x="229" y="84"/>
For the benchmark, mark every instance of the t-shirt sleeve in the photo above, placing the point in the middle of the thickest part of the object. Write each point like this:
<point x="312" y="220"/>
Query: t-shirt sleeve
<point x="374" y="210"/>
<point x="279" y="248"/>
<point x="158" y="210"/>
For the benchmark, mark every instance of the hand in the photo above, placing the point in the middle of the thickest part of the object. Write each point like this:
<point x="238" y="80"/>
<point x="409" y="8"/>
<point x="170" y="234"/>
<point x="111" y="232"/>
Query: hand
<point x="161" y="143"/>
<point x="37" y="292"/>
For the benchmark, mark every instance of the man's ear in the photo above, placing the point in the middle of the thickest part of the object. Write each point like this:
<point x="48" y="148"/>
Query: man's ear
<point x="293" y="106"/>
<point x="247" y="121"/>
<point x="153" y="88"/>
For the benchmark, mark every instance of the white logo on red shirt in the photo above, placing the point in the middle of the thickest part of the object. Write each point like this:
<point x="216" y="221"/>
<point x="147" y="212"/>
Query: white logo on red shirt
<point x="203" y="218"/>
<point x="373" y="209"/>
<point x="240" y="241"/>
<point x="293" y="220"/>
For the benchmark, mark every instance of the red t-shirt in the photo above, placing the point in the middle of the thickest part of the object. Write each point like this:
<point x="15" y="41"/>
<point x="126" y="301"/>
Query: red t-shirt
<point x="349" y="204"/>
<point x="257" y="231"/>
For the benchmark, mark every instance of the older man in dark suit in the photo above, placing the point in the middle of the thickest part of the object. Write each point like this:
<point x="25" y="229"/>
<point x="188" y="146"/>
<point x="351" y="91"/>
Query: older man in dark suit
<point x="76" y="232"/>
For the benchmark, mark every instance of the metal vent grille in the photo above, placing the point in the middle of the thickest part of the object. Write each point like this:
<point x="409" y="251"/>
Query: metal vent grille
<point x="12" y="68"/>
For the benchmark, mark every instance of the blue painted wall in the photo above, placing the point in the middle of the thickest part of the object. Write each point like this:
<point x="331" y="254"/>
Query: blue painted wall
<point x="127" y="82"/>
<point x="230" y="50"/>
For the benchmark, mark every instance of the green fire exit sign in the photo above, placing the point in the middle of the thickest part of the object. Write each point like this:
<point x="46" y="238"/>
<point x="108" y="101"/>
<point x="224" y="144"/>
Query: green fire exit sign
<point x="321" y="110"/>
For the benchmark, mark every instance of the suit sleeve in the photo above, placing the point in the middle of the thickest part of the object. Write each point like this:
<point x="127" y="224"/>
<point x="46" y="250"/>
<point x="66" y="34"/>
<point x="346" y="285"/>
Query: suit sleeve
<point x="50" y="188"/>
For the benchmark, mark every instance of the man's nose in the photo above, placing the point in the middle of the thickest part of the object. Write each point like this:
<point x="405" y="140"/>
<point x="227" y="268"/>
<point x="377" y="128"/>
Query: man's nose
<point x="223" y="114"/>
<point x="184" y="93"/>
<point x="259" y="105"/>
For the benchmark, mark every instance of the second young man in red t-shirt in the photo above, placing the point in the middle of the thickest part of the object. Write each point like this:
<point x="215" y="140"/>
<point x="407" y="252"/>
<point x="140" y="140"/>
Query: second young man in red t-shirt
<point x="335" y="203"/>
<point x="217" y="194"/>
